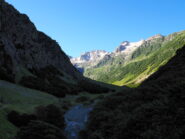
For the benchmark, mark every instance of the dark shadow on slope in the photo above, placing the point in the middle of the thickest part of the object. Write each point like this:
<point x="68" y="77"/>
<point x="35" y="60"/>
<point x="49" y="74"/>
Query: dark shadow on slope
<point x="154" y="110"/>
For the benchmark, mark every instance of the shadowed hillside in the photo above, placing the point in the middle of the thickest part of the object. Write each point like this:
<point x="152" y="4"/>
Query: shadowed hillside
<point x="32" y="59"/>
<point x="154" y="110"/>
<point x="35" y="78"/>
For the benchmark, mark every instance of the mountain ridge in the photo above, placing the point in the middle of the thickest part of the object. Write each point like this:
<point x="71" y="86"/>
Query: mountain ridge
<point x="125" y="47"/>
<point x="130" y="68"/>
<point x="118" y="49"/>
<point x="95" y="56"/>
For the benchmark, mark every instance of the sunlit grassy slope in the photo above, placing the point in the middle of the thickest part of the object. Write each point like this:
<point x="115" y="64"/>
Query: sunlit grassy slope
<point x="144" y="61"/>
<point x="14" y="97"/>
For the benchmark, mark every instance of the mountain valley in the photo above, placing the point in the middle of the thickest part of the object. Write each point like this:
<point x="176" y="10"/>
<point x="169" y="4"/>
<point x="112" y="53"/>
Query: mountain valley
<point x="134" y="92"/>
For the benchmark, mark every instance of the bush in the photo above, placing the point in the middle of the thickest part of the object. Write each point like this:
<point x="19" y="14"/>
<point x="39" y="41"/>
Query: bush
<point x="40" y="130"/>
<point x="155" y="110"/>
<point x="51" y="114"/>
<point x="82" y="99"/>
<point x="93" y="88"/>
<point x="20" y="120"/>
<point x="47" y="123"/>
<point x="43" y="85"/>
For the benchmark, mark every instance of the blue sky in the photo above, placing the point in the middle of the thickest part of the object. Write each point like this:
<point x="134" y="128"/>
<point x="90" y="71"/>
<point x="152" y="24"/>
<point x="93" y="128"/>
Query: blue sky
<point x="84" y="25"/>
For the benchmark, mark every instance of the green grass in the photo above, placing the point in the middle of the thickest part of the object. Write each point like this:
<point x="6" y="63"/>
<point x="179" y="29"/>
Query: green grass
<point x="154" y="110"/>
<point x="23" y="100"/>
<point x="7" y="130"/>
<point x="144" y="62"/>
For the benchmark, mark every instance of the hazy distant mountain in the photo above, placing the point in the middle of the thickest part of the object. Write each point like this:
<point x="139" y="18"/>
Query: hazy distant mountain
<point x="96" y="58"/>
<point x="92" y="58"/>
<point x="89" y="56"/>
<point x="88" y="59"/>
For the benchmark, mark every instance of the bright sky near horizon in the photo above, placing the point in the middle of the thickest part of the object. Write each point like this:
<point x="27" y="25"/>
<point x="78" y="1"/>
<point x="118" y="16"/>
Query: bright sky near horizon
<point x="84" y="25"/>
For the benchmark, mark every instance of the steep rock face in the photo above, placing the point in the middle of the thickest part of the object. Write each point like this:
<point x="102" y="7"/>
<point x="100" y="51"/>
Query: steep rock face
<point x="26" y="54"/>
<point x="27" y="46"/>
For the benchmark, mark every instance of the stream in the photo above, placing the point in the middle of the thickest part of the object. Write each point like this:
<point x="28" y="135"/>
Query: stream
<point x="75" y="119"/>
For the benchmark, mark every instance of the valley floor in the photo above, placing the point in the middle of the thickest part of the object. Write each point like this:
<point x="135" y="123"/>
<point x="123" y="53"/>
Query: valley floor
<point x="25" y="100"/>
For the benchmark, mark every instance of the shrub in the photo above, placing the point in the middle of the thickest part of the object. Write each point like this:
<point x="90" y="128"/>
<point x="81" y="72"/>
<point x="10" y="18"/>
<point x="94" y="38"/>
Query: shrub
<point x="93" y="88"/>
<point x="82" y="99"/>
<point x="20" y="120"/>
<point x="40" y="130"/>
<point x="51" y="114"/>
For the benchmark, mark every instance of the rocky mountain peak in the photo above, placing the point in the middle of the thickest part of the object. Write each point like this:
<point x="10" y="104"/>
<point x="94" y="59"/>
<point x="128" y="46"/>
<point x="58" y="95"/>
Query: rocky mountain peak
<point x="155" y="37"/>
<point x="90" y="56"/>
<point x="122" y="47"/>
<point x="126" y="47"/>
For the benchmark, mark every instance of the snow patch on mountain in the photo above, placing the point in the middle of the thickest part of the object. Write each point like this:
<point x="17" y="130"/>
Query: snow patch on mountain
<point x="96" y="55"/>
<point x="155" y="37"/>
<point x="89" y="56"/>
<point x="128" y="47"/>
<point x="125" y="49"/>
